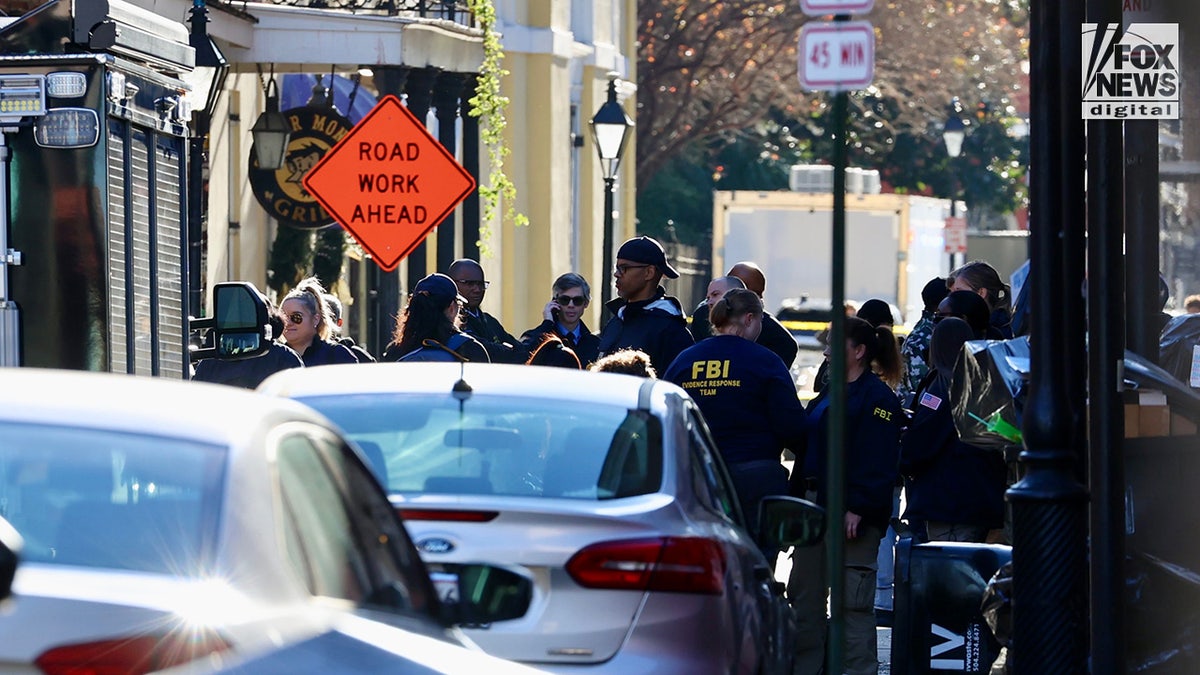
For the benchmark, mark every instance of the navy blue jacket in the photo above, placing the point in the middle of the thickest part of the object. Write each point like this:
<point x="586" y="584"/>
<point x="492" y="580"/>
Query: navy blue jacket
<point x="746" y="395"/>
<point x="656" y="326"/>
<point x="487" y="330"/>
<point x="322" y="353"/>
<point x="587" y="348"/>
<point x="1001" y="322"/>
<point x="946" y="479"/>
<point x="248" y="373"/>
<point x="470" y="350"/>
<point x="873" y="422"/>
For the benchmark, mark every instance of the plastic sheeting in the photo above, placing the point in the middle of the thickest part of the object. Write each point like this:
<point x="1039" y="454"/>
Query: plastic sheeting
<point x="997" y="613"/>
<point x="1179" y="348"/>
<point x="1163" y="617"/>
<point x="991" y="380"/>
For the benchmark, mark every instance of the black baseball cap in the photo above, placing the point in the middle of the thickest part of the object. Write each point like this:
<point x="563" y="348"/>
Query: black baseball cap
<point x="648" y="252"/>
<point x="440" y="287"/>
<point x="933" y="293"/>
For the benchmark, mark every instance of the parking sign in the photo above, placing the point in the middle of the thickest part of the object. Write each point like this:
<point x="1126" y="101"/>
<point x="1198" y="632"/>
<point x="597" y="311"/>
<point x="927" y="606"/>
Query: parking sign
<point x="823" y="7"/>
<point x="836" y="55"/>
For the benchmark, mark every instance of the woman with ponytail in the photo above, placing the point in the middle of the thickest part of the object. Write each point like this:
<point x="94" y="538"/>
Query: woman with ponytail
<point x="981" y="278"/>
<point x="747" y="397"/>
<point x="307" y="326"/>
<point x="433" y="313"/>
<point x="871" y="453"/>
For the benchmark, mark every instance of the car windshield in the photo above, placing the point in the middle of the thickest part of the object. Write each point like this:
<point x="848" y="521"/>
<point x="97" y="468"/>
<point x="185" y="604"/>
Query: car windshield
<point x="108" y="499"/>
<point x="498" y="445"/>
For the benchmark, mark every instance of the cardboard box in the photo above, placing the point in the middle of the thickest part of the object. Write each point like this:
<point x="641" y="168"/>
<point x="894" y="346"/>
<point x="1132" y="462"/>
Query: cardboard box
<point x="1182" y="426"/>
<point x="1132" y="429"/>
<point x="1154" y="417"/>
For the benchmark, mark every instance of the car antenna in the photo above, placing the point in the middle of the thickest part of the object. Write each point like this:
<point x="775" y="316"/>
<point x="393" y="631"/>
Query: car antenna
<point x="461" y="390"/>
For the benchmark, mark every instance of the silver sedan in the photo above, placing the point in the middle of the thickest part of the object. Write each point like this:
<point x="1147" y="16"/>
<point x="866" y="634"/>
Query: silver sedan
<point x="174" y="523"/>
<point x="606" y="489"/>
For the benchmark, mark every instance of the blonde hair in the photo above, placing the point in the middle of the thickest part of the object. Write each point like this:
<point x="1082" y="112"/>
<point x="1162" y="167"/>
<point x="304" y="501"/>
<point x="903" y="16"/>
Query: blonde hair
<point x="310" y="293"/>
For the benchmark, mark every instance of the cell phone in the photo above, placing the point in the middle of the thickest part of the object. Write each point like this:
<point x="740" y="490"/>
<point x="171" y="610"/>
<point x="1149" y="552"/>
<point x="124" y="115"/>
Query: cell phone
<point x="556" y="313"/>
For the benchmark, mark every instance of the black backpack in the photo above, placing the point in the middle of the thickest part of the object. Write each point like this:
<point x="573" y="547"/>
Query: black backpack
<point x="434" y="353"/>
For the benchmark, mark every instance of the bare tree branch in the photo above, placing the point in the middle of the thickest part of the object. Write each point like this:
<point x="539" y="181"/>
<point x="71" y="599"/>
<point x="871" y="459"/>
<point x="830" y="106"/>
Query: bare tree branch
<point x="710" y="69"/>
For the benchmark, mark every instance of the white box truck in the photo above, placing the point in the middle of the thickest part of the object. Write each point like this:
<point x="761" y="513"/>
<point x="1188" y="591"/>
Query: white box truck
<point x="894" y="244"/>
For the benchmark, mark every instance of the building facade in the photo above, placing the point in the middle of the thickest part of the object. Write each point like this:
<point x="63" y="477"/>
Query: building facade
<point x="558" y="56"/>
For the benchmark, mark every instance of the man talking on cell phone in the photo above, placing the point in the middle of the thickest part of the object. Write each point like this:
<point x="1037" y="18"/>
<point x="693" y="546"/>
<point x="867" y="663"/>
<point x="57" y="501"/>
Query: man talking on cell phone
<point x="563" y="316"/>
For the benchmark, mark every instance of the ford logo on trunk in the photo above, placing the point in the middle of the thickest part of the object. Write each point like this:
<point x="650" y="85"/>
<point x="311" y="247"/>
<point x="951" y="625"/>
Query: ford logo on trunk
<point x="435" y="545"/>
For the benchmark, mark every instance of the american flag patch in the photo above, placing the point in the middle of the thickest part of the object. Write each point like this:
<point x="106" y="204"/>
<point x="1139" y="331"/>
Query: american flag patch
<point x="930" y="401"/>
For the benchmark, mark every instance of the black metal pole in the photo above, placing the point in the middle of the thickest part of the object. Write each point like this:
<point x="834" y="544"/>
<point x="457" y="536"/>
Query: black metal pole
<point x="1049" y="609"/>
<point x="385" y="292"/>
<point x="607" y="242"/>
<point x="470" y="159"/>
<point x="1070" y="305"/>
<point x="1106" y="353"/>
<point x="446" y="94"/>
<point x="1106" y="350"/>
<point x="1141" y="237"/>
<point x="835" y="479"/>
<point x="419" y="87"/>
<point x="195" y="222"/>
<point x="953" y="213"/>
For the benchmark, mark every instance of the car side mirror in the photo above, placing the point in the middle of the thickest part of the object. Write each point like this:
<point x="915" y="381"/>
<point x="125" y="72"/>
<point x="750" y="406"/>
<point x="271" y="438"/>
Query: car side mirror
<point x="787" y="521"/>
<point x="10" y="551"/>
<point x="477" y="595"/>
<point x="240" y="324"/>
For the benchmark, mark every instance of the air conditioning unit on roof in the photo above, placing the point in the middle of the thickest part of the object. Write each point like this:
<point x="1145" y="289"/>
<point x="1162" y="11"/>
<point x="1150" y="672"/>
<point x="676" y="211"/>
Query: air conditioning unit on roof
<point x="818" y="178"/>
<point x="811" y="178"/>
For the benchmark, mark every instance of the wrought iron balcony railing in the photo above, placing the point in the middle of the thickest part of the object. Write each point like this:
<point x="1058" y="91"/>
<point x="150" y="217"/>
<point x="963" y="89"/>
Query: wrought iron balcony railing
<point x="448" y="10"/>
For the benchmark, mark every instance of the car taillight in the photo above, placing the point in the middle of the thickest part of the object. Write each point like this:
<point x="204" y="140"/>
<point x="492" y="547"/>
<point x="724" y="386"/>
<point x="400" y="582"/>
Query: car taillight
<point x="458" y="515"/>
<point x="670" y="564"/>
<point x="128" y="656"/>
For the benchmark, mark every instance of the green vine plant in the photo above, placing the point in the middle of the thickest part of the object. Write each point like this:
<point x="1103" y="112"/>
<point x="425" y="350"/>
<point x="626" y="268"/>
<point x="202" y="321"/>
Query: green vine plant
<point x="489" y="106"/>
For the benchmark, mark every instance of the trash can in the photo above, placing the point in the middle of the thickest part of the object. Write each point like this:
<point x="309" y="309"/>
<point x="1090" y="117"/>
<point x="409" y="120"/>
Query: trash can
<point x="938" y="627"/>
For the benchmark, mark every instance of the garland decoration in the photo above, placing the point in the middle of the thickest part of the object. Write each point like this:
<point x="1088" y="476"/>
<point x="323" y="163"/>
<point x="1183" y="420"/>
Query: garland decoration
<point x="489" y="106"/>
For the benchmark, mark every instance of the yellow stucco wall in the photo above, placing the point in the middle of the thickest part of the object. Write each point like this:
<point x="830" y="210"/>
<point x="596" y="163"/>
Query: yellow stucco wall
<point x="559" y="187"/>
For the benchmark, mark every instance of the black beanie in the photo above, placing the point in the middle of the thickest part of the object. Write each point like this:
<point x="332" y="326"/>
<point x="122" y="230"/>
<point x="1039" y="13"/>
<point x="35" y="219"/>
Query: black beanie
<point x="876" y="312"/>
<point x="933" y="293"/>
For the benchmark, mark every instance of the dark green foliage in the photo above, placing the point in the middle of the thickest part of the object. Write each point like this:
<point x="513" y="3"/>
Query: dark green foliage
<point x="989" y="175"/>
<point x="290" y="259"/>
<point x="329" y="254"/>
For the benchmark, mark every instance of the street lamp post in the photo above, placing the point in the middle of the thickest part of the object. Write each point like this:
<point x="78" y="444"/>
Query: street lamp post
<point x="610" y="130"/>
<point x="953" y="134"/>
<point x="207" y="79"/>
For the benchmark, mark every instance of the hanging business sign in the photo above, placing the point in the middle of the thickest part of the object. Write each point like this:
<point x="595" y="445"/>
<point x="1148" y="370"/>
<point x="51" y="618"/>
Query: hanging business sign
<point x="315" y="130"/>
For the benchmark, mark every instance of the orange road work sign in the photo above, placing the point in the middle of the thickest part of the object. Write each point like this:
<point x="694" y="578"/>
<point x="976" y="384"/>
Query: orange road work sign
<point x="389" y="182"/>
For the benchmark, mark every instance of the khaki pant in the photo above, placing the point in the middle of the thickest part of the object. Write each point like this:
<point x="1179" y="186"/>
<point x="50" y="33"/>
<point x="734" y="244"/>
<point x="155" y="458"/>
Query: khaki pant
<point x="808" y="591"/>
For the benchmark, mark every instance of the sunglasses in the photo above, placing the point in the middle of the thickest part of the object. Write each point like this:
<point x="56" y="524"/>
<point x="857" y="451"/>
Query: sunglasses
<point x="472" y="283"/>
<point x="620" y="270"/>
<point x="296" y="317"/>
<point x="577" y="300"/>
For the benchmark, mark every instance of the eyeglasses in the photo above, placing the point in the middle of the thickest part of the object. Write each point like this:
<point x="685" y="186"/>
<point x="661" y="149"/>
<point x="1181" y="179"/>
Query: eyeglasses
<point x="577" y="300"/>
<point x="937" y="318"/>
<point x="296" y="317"/>
<point x="620" y="270"/>
<point x="472" y="283"/>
